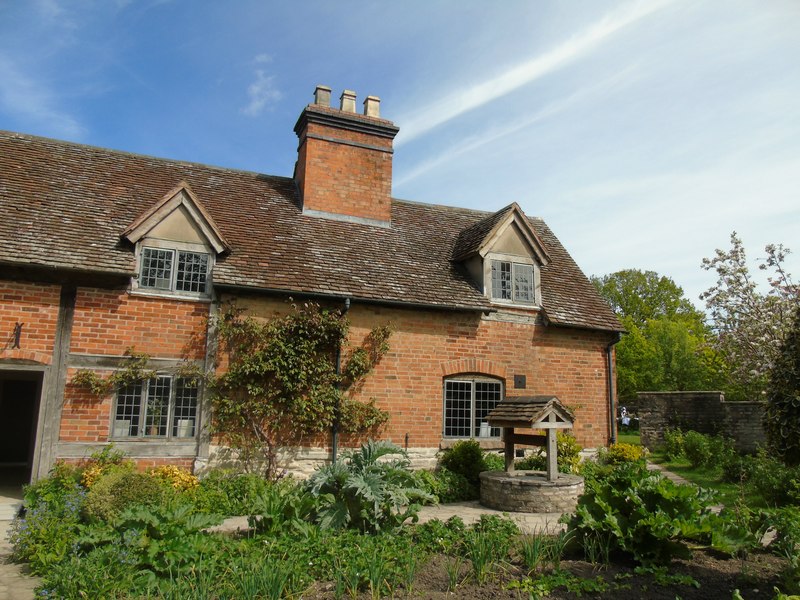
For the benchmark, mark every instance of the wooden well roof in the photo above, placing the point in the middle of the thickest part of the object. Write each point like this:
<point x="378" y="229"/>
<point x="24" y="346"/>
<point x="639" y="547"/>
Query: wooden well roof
<point x="534" y="412"/>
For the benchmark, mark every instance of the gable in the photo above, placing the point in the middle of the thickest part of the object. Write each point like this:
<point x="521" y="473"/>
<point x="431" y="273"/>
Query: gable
<point x="178" y="216"/>
<point x="178" y="226"/>
<point x="510" y="241"/>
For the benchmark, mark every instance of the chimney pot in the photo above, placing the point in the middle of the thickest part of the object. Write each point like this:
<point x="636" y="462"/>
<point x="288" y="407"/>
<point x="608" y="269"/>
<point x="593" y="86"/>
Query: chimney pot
<point x="348" y="101"/>
<point x="322" y="95"/>
<point x="372" y="106"/>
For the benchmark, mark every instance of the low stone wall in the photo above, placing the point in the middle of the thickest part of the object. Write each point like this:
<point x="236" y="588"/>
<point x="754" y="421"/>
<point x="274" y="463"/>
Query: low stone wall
<point x="704" y="412"/>
<point x="529" y="491"/>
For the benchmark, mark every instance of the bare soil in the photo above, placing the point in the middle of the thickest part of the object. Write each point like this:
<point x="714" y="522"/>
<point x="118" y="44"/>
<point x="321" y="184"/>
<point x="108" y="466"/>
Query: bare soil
<point x="718" y="576"/>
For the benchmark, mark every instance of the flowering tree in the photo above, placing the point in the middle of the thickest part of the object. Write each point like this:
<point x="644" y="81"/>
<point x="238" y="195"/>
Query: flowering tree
<point x="750" y="325"/>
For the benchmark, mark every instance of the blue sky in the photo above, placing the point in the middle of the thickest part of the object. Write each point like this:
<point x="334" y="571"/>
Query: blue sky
<point x="642" y="132"/>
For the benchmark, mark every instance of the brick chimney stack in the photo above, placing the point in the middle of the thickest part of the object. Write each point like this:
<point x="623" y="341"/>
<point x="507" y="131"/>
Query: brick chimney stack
<point x="344" y="159"/>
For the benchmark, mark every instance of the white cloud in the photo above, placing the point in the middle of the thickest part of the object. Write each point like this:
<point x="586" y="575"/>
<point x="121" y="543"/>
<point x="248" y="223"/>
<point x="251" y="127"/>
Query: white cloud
<point x="262" y="91"/>
<point x="453" y="105"/>
<point x="475" y="142"/>
<point x="32" y="100"/>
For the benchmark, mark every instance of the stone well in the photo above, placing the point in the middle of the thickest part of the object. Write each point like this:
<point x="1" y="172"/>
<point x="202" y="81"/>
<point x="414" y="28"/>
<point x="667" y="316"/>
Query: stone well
<point x="530" y="491"/>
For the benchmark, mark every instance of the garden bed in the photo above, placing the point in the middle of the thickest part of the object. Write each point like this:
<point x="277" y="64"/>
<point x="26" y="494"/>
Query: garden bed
<point x="716" y="577"/>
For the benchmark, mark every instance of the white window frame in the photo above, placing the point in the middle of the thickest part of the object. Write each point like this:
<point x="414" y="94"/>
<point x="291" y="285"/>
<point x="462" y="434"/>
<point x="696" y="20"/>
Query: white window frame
<point x="136" y="422"/>
<point x="514" y="262"/>
<point x="175" y="248"/>
<point x="475" y="427"/>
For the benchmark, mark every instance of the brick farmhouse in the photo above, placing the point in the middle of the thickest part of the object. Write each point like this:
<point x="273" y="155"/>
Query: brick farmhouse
<point x="102" y="251"/>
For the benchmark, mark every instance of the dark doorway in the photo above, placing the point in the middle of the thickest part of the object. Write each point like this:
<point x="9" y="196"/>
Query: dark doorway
<point x="20" y="392"/>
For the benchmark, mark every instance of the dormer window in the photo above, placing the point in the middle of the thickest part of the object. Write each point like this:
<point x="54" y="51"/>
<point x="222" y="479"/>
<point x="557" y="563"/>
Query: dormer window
<point x="177" y="244"/>
<point x="505" y="257"/>
<point x="173" y="270"/>
<point x="513" y="282"/>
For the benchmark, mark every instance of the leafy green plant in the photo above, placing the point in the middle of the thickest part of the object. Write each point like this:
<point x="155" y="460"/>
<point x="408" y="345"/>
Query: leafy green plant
<point x="494" y="461"/>
<point x="543" y="585"/>
<point x="773" y="480"/>
<point x="283" y="504"/>
<point x="367" y="490"/>
<point x="46" y="535"/>
<point x="436" y="536"/>
<point x="466" y="458"/>
<point x="641" y="514"/>
<point x="569" y="456"/>
<point x="786" y="523"/>
<point x="482" y="554"/>
<point x="155" y="540"/>
<point x="674" y="444"/>
<point x="445" y="485"/>
<point x="228" y="492"/>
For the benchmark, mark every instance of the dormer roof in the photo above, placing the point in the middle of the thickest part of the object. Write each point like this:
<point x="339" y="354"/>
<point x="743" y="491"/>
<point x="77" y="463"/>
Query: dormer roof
<point x="181" y="196"/>
<point x="481" y="237"/>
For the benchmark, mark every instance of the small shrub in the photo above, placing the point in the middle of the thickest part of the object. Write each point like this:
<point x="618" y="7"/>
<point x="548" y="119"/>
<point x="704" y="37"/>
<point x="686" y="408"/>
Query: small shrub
<point x="737" y="468"/>
<point x="63" y="480"/>
<point x="226" y="492"/>
<point x="446" y="486"/>
<point x="466" y="458"/>
<point x="436" y="536"/>
<point x="778" y="484"/>
<point x="180" y="479"/>
<point x="120" y="488"/>
<point x="622" y="453"/>
<point x="674" y="444"/>
<point x="697" y="449"/>
<point x="494" y="461"/>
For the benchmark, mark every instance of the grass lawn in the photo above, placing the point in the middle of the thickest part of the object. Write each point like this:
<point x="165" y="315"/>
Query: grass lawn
<point x="632" y="437"/>
<point x="728" y="493"/>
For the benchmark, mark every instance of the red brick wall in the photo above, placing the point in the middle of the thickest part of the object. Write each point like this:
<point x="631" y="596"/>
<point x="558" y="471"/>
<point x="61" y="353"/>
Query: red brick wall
<point x="36" y="306"/>
<point x="108" y="322"/>
<point x="427" y="346"/>
<point x="342" y="179"/>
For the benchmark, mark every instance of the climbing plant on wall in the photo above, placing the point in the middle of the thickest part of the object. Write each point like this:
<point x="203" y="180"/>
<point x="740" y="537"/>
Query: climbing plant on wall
<point x="279" y="382"/>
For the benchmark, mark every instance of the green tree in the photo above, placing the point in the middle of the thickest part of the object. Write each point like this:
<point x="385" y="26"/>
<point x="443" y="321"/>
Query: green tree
<point x="644" y="295"/>
<point x="280" y="382"/>
<point x="782" y="414"/>
<point x="666" y="344"/>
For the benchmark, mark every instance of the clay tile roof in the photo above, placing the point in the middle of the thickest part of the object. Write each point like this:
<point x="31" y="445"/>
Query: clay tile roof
<point x="64" y="206"/>
<point x="470" y="239"/>
<point x="527" y="410"/>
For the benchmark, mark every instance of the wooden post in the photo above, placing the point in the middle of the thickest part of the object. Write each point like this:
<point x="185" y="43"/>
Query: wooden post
<point x="552" y="453"/>
<point x="508" y="439"/>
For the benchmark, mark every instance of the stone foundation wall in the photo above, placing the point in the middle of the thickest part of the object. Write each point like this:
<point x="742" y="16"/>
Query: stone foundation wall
<point x="302" y="462"/>
<point x="529" y="491"/>
<point x="704" y="412"/>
